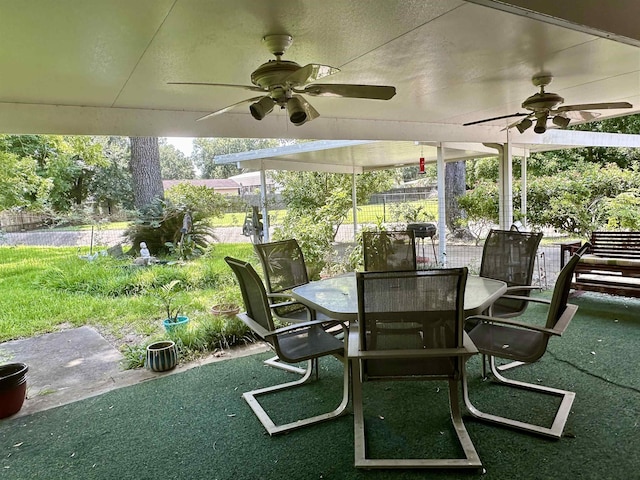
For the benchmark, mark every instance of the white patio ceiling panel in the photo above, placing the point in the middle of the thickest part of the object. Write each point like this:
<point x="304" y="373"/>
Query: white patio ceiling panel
<point x="102" y="66"/>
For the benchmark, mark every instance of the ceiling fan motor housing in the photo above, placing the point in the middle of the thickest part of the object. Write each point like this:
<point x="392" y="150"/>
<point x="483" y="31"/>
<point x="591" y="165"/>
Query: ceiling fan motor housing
<point x="542" y="102"/>
<point x="272" y="73"/>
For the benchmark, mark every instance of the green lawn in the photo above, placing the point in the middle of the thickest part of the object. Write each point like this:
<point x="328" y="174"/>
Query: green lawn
<point x="45" y="289"/>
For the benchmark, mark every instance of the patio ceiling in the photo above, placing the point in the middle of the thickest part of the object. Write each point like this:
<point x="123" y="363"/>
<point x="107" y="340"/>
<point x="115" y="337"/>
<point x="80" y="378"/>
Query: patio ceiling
<point x="101" y="67"/>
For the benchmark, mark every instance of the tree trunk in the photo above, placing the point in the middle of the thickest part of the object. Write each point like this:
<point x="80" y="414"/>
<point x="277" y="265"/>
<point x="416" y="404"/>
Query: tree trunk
<point x="145" y="170"/>
<point x="455" y="187"/>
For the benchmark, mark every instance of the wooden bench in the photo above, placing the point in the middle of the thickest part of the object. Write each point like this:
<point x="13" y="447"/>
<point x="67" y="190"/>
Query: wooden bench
<point x="611" y="265"/>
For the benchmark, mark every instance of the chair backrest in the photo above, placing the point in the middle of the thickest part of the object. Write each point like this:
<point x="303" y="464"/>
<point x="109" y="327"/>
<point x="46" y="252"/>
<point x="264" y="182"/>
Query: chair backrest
<point x="254" y="294"/>
<point x="283" y="265"/>
<point x="509" y="255"/>
<point x="424" y="309"/>
<point x="389" y="251"/>
<point x="563" y="285"/>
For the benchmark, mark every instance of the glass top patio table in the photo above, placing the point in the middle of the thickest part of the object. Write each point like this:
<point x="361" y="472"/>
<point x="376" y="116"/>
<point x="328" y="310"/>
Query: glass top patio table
<point x="337" y="297"/>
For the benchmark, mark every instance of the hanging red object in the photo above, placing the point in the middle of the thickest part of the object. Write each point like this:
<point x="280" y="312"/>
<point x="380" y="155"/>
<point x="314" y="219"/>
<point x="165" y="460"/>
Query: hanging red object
<point x="421" y="164"/>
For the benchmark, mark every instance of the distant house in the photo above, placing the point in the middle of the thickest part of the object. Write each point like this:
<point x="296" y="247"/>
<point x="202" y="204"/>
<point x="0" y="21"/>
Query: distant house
<point x="250" y="182"/>
<point x="224" y="186"/>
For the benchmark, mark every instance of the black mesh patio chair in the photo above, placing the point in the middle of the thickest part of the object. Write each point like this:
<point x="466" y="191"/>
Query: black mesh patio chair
<point x="389" y="251"/>
<point x="433" y="299"/>
<point x="525" y="342"/>
<point x="295" y="343"/>
<point x="510" y="256"/>
<point x="284" y="268"/>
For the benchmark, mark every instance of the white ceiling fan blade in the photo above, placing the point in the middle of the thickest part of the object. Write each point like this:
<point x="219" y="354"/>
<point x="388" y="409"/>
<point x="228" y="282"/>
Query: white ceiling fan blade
<point x="309" y="73"/>
<point x="497" y="118"/>
<point x="580" y="115"/>
<point x="311" y="112"/>
<point x="244" y="87"/>
<point x="594" y="106"/>
<point x="229" y="107"/>
<point x="375" y="92"/>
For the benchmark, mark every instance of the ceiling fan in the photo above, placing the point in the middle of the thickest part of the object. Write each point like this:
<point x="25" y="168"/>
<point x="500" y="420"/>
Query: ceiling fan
<point x="544" y="105"/>
<point x="281" y="82"/>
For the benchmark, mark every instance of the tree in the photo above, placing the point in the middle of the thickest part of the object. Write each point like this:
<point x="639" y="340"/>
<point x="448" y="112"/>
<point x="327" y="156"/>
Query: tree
<point x="20" y="185"/>
<point x="174" y="164"/>
<point x="145" y="171"/>
<point x="206" y="149"/>
<point x="111" y="185"/>
<point x="454" y="188"/>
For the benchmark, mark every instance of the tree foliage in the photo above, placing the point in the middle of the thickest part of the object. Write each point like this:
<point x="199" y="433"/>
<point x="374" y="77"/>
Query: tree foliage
<point x="206" y="149"/>
<point x="174" y="164"/>
<point x="196" y="198"/>
<point x="20" y="185"/>
<point x="574" y="190"/>
<point x="318" y="203"/>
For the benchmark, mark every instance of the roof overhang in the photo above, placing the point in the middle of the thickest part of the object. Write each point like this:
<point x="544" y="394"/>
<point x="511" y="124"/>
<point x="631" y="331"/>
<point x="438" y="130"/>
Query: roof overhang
<point x="358" y="156"/>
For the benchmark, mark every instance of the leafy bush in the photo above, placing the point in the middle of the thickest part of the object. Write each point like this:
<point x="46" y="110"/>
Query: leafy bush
<point x="313" y="236"/>
<point x="113" y="278"/>
<point x="411" y="212"/>
<point x="165" y="226"/>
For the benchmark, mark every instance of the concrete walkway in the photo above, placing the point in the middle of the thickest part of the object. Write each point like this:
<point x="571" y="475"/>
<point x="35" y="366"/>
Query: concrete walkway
<point x="75" y="364"/>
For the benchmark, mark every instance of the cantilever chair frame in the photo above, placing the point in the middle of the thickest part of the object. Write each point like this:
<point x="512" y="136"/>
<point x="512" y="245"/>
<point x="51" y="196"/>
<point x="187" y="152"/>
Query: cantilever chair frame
<point x="357" y="356"/>
<point x="276" y="338"/>
<point x="559" y="326"/>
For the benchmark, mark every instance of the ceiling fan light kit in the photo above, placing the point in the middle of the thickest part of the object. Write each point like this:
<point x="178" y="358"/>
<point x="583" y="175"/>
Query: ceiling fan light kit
<point x="524" y="125"/>
<point x="282" y="82"/>
<point x="561" y="121"/>
<point x="262" y="107"/>
<point x="544" y="105"/>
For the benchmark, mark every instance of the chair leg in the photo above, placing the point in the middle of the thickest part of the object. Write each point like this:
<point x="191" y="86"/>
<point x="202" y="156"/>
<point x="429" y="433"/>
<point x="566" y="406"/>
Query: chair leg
<point x="559" y="421"/>
<point x="275" y="362"/>
<point x="510" y="365"/>
<point x="471" y="460"/>
<point x="271" y="427"/>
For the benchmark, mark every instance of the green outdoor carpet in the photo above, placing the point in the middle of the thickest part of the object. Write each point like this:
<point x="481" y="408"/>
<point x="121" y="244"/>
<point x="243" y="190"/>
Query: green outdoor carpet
<point x="195" y="425"/>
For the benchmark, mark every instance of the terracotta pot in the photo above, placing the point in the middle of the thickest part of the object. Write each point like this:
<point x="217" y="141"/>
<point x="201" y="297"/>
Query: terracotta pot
<point x="225" y="310"/>
<point x="13" y="388"/>
<point x="162" y="356"/>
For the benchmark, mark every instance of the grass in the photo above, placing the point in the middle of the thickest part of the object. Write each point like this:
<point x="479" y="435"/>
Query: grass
<point x="46" y="289"/>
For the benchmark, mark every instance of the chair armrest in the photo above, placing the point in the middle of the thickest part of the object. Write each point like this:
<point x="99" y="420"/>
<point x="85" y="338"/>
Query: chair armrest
<point x="264" y="333"/>
<point x="286" y="304"/>
<point x="298" y="326"/>
<point x="279" y="295"/>
<point x="413" y="353"/>
<point x="543" y="301"/>
<point x="253" y="325"/>
<point x="519" y="288"/>
<point x="354" y="351"/>
<point x="560" y="327"/>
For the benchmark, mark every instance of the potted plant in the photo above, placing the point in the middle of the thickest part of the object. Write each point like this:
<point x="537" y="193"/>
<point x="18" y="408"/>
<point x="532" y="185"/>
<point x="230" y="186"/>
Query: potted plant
<point x="227" y="302"/>
<point x="13" y="388"/>
<point x="161" y="356"/>
<point x="167" y="295"/>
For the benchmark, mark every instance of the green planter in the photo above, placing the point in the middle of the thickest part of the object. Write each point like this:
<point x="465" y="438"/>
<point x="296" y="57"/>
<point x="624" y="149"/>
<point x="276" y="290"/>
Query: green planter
<point x="162" y="356"/>
<point x="170" y="325"/>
